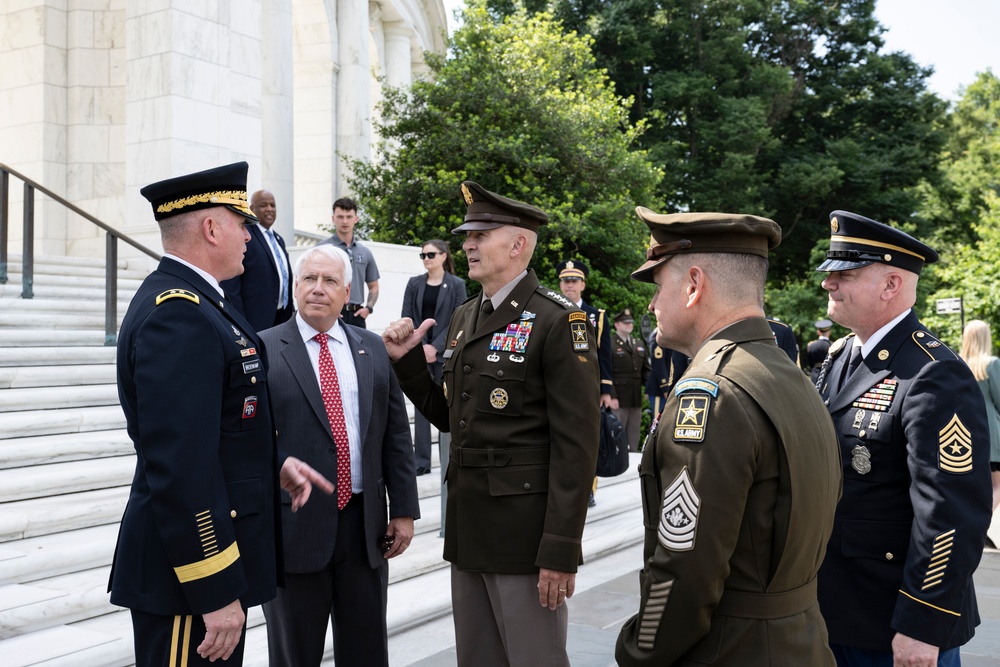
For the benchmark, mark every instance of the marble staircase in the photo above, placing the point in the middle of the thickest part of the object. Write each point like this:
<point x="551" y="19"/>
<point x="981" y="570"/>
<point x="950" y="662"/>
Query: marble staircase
<point x="65" y="468"/>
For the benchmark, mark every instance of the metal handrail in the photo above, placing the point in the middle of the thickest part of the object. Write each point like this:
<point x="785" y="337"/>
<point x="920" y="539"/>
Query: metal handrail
<point x="28" y="247"/>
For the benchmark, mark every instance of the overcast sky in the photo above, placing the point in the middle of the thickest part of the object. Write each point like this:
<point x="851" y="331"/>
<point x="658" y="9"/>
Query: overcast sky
<point x="950" y="35"/>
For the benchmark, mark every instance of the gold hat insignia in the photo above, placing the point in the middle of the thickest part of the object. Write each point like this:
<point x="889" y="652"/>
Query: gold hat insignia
<point x="834" y="225"/>
<point x="466" y="194"/>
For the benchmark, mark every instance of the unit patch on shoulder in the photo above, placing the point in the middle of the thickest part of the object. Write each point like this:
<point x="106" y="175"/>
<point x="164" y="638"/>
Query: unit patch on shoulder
<point x="696" y="384"/>
<point x="955" y="447"/>
<point x="679" y="514"/>
<point x="692" y="418"/>
<point x="578" y="316"/>
<point x="578" y="330"/>
<point x="177" y="294"/>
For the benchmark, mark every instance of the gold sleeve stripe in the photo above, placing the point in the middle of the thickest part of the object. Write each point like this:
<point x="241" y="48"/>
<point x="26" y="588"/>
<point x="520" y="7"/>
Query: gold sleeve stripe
<point x="941" y="609"/>
<point x="209" y="566"/>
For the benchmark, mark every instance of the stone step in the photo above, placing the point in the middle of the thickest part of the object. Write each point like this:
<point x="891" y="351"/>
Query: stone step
<point x="33" y="617"/>
<point x="55" y="479"/>
<point x="23" y="377"/>
<point x="50" y="399"/>
<point x="49" y="274"/>
<point x="62" y="306"/>
<point x="65" y="264"/>
<point x="69" y="291"/>
<point x="53" y="320"/>
<point x="56" y="356"/>
<point x="63" y="447"/>
<point x="67" y="512"/>
<point x="52" y="422"/>
<point x="51" y="337"/>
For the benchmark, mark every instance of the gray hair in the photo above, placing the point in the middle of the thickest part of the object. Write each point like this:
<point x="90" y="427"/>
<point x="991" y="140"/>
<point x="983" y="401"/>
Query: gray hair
<point x="331" y="252"/>
<point x="743" y="274"/>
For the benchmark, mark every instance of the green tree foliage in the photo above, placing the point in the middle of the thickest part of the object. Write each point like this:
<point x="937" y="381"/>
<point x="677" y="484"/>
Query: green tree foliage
<point x="783" y="108"/>
<point x="965" y="210"/>
<point x="521" y="108"/>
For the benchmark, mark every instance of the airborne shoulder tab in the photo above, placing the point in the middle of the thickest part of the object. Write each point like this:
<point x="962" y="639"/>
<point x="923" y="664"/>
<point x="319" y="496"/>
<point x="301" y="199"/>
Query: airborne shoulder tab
<point x="177" y="294"/>
<point x="934" y="348"/>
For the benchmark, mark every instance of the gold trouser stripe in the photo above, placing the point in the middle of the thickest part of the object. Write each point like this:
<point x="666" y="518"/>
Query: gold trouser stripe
<point x="877" y="244"/>
<point x="209" y="566"/>
<point x="173" y="640"/>
<point x="186" y="645"/>
<point x="941" y="609"/>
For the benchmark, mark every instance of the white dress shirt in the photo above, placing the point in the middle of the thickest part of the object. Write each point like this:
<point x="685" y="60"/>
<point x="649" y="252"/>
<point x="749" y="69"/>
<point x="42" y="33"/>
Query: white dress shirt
<point x="347" y="377"/>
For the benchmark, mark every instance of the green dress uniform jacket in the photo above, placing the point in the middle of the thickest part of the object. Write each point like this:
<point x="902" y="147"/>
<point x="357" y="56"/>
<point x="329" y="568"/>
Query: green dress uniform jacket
<point x="629" y="369"/>
<point x="739" y="494"/>
<point x="909" y="531"/>
<point x="524" y="439"/>
<point x="201" y="525"/>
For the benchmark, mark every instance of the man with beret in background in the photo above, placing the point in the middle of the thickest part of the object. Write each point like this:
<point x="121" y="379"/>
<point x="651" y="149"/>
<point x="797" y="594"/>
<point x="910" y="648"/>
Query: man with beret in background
<point x="629" y="369"/>
<point x="896" y="585"/>
<point x="519" y="357"/>
<point x="741" y="478"/>
<point x="817" y="349"/>
<point x="198" y="543"/>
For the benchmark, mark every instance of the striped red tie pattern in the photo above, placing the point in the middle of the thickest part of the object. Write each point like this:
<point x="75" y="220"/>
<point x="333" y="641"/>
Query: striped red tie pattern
<point x="330" y="387"/>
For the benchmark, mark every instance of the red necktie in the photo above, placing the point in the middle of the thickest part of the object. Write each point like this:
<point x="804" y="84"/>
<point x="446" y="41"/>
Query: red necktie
<point x="335" y="413"/>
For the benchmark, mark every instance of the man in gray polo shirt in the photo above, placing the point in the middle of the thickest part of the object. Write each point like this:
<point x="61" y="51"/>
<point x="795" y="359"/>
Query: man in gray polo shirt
<point x="363" y="269"/>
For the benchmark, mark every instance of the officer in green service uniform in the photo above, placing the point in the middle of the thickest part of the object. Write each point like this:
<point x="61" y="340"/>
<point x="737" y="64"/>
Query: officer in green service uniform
<point x="741" y="477"/>
<point x="517" y="360"/>
<point x="629" y="370"/>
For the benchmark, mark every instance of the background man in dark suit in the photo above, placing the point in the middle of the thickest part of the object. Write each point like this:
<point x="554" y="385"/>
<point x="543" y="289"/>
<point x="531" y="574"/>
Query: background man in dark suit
<point x="338" y="405"/>
<point x="816" y="349"/>
<point x="197" y="544"/>
<point x="896" y="584"/>
<point x="740" y="480"/>
<point x="263" y="292"/>
<point x="524" y="446"/>
<point x="784" y="338"/>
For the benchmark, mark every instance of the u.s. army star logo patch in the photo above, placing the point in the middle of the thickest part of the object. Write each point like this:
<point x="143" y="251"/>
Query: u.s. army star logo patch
<point x="679" y="514"/>
<point x="692" y="416"/>
<point x="579" y="333"/>
<point x="955" y="447"/>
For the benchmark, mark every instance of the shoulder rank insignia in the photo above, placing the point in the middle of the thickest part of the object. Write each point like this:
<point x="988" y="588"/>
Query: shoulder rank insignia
<point x="177" y="294"/>
<point x="955" y="447"/>
<point x="931" y="346"/>
<point x="679" y="514"/>
<point x="555" y="296"/>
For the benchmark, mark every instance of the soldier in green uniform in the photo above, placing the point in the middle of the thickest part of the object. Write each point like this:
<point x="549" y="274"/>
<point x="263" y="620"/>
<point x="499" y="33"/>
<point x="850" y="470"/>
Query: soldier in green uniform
<point x="517" y="361"/>
<point x="741" y="477"/>
<point x="629" y="370"/>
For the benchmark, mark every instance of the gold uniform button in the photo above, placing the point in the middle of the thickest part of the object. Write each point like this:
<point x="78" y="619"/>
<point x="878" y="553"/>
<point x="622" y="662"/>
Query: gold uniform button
<point x="861" y="434"/>
<point x="253" y="379"/>
<point x="232" y="513"/>
<point x="889" y="556"/>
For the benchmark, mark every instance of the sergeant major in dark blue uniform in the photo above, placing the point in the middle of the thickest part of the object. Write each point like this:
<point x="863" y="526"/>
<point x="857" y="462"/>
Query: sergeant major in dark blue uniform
<point x="914" y="444"/>
<point x="198" y="541"/>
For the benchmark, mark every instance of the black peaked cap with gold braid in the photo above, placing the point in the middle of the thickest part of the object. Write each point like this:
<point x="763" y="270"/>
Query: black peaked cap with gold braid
<point x="857" y="241"/>
<point x="220" y="186"/>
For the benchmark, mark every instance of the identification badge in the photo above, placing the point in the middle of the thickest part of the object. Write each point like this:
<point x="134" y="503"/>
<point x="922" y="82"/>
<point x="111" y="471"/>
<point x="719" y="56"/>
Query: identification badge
<point x="251" y="366"/>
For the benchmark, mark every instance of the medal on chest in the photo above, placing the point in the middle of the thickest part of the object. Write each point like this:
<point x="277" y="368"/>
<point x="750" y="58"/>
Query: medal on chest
<point x="879" y="397"/>
<point x="513" y="339"/>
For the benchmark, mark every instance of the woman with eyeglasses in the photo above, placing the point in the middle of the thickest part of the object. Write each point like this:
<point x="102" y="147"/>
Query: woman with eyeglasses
<point x="434" y="294"/>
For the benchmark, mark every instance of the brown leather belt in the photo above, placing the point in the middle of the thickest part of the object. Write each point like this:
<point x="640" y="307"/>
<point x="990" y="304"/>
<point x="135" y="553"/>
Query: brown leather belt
<point x="764" y="606"/>
<point x="493" y="457"/>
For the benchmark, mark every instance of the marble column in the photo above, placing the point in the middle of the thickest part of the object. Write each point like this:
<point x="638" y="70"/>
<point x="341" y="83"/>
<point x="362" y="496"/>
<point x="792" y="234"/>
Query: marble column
<point x="398" y="65"/>
<point x="277" y="113"/>
<point x="353" y="87"/>
<point x="192" y="95"/>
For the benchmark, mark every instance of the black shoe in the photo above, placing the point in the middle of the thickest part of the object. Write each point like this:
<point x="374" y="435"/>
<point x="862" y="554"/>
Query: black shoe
<point x="423" y="471"/>
<point x="592" y="502"/>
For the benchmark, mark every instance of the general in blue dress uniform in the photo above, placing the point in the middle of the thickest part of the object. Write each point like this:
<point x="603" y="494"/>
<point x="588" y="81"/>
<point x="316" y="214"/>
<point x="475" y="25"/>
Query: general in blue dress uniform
<point x="198" y="542"/>
<point x="914" y="445"/>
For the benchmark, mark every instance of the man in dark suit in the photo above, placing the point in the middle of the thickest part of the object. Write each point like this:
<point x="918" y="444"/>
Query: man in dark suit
<point x="198" y="542"/>
<point x="263" y="292"/>
<point x="338" y="406"/>
<point x="784" y="338"/>
<point x="817" y="349"/>
<point x="896" y="585"/>
<point x="524" y="446"/>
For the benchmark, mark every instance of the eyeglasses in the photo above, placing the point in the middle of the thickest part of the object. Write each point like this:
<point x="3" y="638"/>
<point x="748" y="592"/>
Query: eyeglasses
<point x="430" y="255"/>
